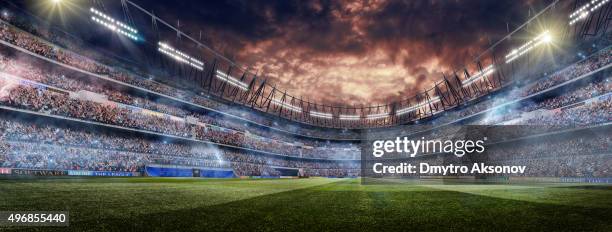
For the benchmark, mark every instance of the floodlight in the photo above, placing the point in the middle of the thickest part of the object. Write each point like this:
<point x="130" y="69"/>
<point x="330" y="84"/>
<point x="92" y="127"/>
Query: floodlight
<point x="349" y="117"/>
<point x="415" y="107"/>
<point x="584" y="11"/>
<point x="321" y="115"/>
<point x="288" y="106"/>
<point x="180" y="56"/>
<point x="545" y="37"/>
<point x="112" y="24"/>
<point x="485" y="72"/>
<point x="232" y="81"/>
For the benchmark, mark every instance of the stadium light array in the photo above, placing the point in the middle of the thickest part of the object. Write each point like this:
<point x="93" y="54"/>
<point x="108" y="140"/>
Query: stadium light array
<point x="232" y="81"/>
<point x="287" y="106"/>
<point x="320" y="114"/>
<point x="349" y="117"/>
<point x="180" y="56"/>
<point x="485" y="72"/>
<point x="585" y="10"/>
<point x="377" y="116"/>
<point x="415" y="107"/>
<point x="545" y="37"/>
<point x="113" y="25"/>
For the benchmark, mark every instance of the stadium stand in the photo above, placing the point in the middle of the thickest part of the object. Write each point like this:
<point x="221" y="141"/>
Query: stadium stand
<point x="66" y="107"/>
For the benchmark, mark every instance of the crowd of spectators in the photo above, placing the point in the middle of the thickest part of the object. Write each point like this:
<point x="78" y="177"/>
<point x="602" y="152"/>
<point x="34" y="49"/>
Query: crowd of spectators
<point x="30" y="41"/>
<point x="568" y="155"/>
<point x="40" y="99"/>
<point x="591" y="90"/>
<point x="489" y="115"/>
<point x="594" y="62"/>
<point x="46" y="146"/>
<point x="591" y="113"/>
<point x="574" y="156"/>
<point x="25" y="68"/>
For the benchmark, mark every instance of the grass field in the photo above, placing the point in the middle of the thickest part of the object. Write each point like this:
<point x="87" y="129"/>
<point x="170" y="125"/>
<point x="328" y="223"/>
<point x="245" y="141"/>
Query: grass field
<point x="101" y="204"/>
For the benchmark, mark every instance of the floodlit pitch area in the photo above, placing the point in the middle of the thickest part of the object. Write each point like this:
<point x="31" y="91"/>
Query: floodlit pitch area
<point x="168" y="204"/>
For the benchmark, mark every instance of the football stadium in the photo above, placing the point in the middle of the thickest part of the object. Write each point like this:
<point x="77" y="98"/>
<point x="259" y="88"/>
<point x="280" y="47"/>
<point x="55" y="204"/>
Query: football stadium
<point x="134" y="115"/>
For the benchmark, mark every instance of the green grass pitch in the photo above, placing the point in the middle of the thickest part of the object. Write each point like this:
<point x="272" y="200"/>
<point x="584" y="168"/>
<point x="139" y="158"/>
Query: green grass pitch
<point x="315" y="204"/>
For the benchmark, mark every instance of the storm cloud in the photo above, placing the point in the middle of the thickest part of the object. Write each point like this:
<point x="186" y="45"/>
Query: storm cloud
<point x="349" y="52"/>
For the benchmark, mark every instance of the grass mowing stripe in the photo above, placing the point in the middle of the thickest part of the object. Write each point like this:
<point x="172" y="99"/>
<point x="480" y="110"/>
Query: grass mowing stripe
<point x="311" y="204"/>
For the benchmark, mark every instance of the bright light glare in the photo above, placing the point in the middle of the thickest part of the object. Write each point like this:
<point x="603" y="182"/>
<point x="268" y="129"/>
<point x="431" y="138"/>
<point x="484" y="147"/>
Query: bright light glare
<point x="584" y="11"/>
<point x="545" y="37"/>
<point x="180" y="56"/>
<point x="349" y="117"/>
<point x="232" y="80"/>
<point x="288" y="106"/>
<point x="321" y="115"/>
<point x="113" y="25"/>
<point x="485" y="72"/>
<point x="415" y="107"/>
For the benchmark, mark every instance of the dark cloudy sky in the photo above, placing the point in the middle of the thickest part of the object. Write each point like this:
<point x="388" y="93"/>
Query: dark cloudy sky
<point x="349" y="52"/>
